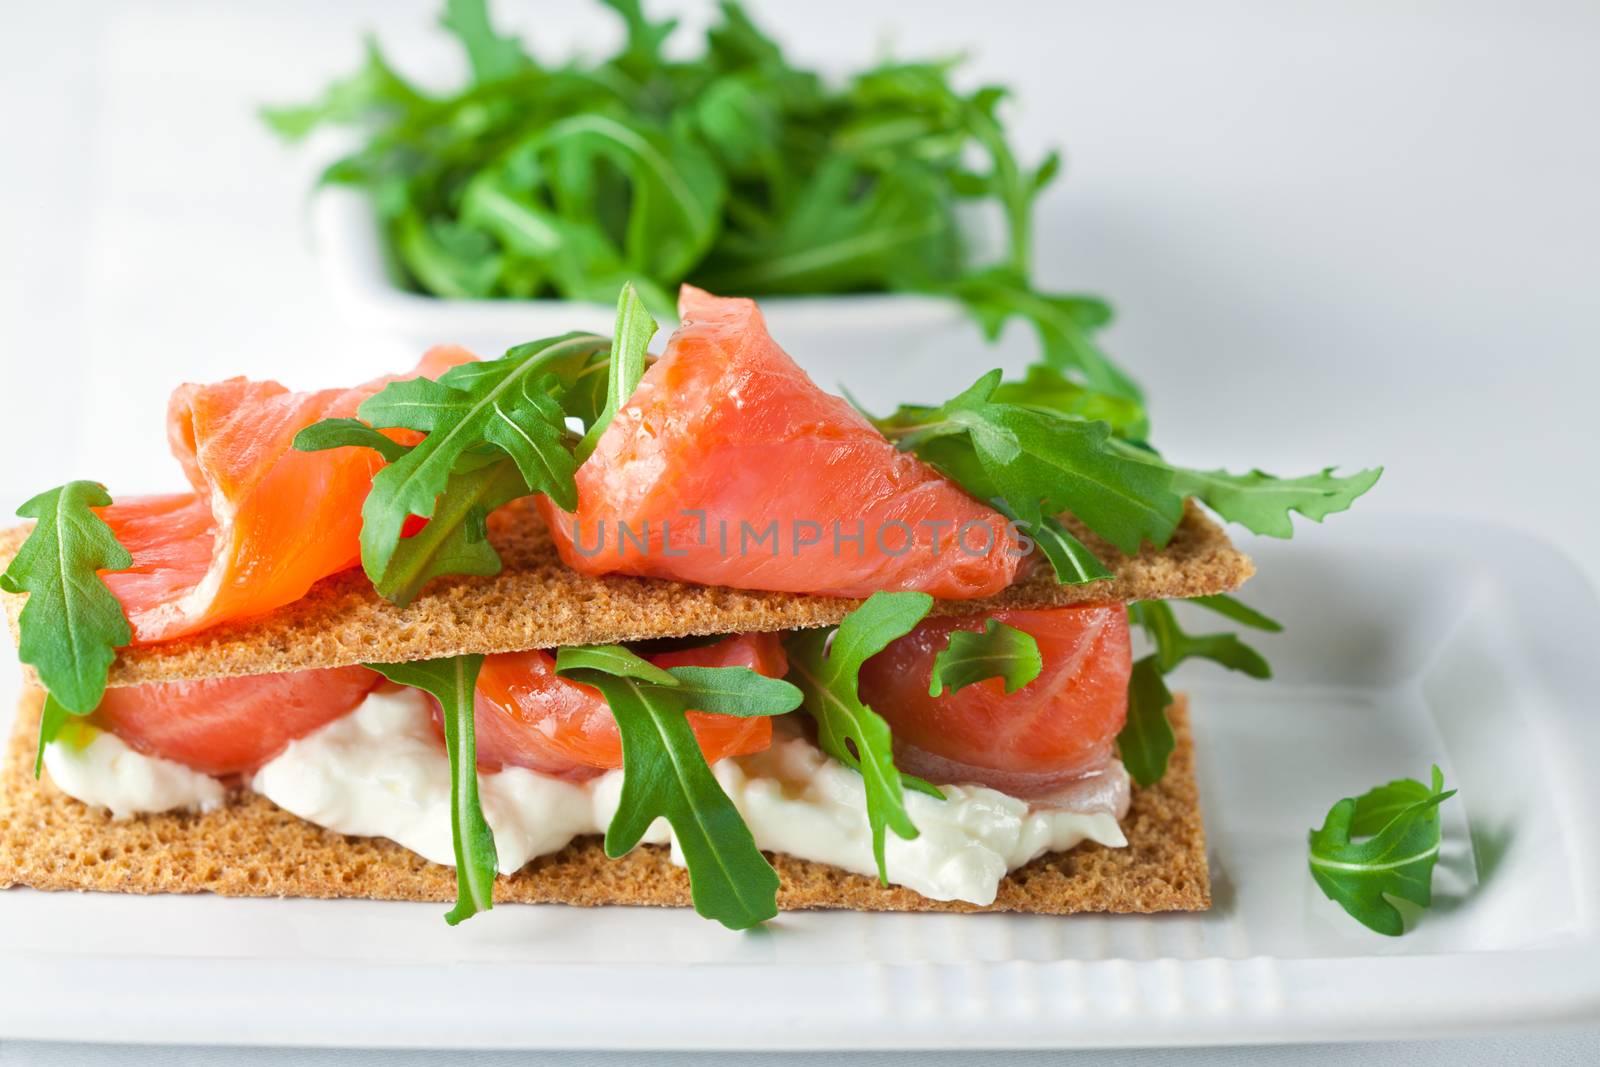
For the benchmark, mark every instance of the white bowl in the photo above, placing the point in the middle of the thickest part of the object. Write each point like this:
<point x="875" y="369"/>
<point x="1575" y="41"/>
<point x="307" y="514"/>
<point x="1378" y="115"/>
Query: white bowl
<point x="835" y="337"/>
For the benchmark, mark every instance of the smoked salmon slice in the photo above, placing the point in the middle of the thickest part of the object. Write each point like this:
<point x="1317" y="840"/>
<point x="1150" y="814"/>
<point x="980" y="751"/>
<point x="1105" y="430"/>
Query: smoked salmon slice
<point x="1059" y="728"/>
<point x="728" y="466"/>
<point x="230" y="725"/>
<point x="528" y="716"/>
<point x="264" y="522"/>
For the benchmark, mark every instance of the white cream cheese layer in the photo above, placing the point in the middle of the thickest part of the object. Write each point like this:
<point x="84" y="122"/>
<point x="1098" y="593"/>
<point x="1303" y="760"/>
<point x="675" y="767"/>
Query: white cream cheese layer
<point x="382" y="772"/>
<point x="108" y="774"/>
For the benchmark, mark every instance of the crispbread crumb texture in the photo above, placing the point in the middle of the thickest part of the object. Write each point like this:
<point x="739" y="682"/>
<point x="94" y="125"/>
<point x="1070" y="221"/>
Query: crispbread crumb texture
<point x="538" y="602"/>
<point x="250" y="848"/>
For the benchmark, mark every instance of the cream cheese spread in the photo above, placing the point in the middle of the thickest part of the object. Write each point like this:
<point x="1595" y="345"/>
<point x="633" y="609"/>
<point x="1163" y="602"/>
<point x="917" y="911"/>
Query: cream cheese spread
<point x="108" y="774"/>
<point x="381" y="771"/>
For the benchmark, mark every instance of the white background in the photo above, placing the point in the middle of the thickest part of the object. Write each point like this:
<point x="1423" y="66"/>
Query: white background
<point x="1356" y="233"/>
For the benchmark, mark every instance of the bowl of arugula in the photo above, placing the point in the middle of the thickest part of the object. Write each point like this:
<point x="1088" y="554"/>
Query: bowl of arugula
<point x="871" y="214"/>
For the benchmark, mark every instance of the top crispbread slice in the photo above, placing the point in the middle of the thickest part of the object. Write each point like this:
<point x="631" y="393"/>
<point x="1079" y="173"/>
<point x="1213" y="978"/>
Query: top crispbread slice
<point x="536" y="601"/>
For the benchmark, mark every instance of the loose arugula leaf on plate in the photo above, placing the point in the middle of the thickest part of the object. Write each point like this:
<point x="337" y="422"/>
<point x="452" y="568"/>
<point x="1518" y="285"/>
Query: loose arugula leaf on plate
<point x="664" y="773"/>
<point x="635" y="327"/>
<point x="997" y="651"/>
<point x="825" y="664"/>
<point x="452" y="682"/>
<point x="1399" y="825"/>
<point x="1146" y="741"/>
<point x="72" y="625"/>
<point x="1261" y="503"/>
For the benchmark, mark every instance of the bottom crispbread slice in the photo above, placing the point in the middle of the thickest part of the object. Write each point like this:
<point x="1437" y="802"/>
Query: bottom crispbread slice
<point x="251" y="848"/>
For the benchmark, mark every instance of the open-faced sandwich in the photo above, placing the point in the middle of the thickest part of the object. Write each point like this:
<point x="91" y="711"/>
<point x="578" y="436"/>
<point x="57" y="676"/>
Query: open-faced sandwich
<point x="597" y="627"/>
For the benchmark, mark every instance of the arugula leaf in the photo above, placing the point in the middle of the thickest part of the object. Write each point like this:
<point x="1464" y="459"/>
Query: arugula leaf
<point x="1174" y="644"/>
<point x="72" y="625"/>
<point x="1065" y="325"/>
<point x="613" y="660"/>
<point x="456" y="539"/>
<point x="643" y="51"/>
<point x="507" y="405"/>
<point x="1045" y="387"/>
<point x="665" y="773"/>
<point x="453" y="682"/>
<point x="1400" y="824"/>
<point x="733" y="168"/>
<point x="1232" y="608"/>
<point x="725" y="691"/>
<point x="53" y="719"/>
<point x="635" y="327"/>
<point x="825" y="664"/>
<point x="1069" y="557"/>
<point x="1261" y="502"/>
<point x="492" y="55"/>
<point x="998" y="651"/>
<point x="347" y="433"/>
<point x="1146" y="740"/>
<point x="374" y="89"/>
<point x="1041" y="463"/>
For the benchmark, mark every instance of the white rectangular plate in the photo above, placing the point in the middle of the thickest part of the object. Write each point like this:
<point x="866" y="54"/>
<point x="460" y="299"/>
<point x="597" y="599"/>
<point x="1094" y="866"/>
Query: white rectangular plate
<point x="1409" y="642"/>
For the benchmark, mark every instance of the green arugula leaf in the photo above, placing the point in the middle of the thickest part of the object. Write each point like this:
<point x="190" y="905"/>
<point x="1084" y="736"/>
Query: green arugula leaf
<point x="1046" y="388"/>
<point x="1174" y="645"/>
<point x="374" y="89"/>
<point x="1232" y="608"/>
<point x="453" y="683"/>
<point x="508" y="404"/>
<point x="53" y="719"/>
<point x="1400" y="824"/>
<point x="455" y="540"/>
<point x="1069" y="557"/>
<point x="347" y="433"/>
<point x="1065" y="325"/>
<point x="825" y="665"/>
<point x="635" y="327"/>
<point x="642" y="54"/>
<point x="1146" y="741"/>
<point x="492" y="55"/>
<point x="613" y="660"/>
<point x="1041" y="463"/>
<point x="1262" y="503"/>
<point x="72" y="625"/>
<point x="733" y="168"/>
<point x="744" y="693"/>
<point x="665" y="773"/>
<point x="998" y="651"/>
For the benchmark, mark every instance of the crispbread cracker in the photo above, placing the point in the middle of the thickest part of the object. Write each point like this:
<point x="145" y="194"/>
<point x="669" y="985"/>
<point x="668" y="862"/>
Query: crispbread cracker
<point x="538" y="602"/>
<point x="251" y="848"/>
